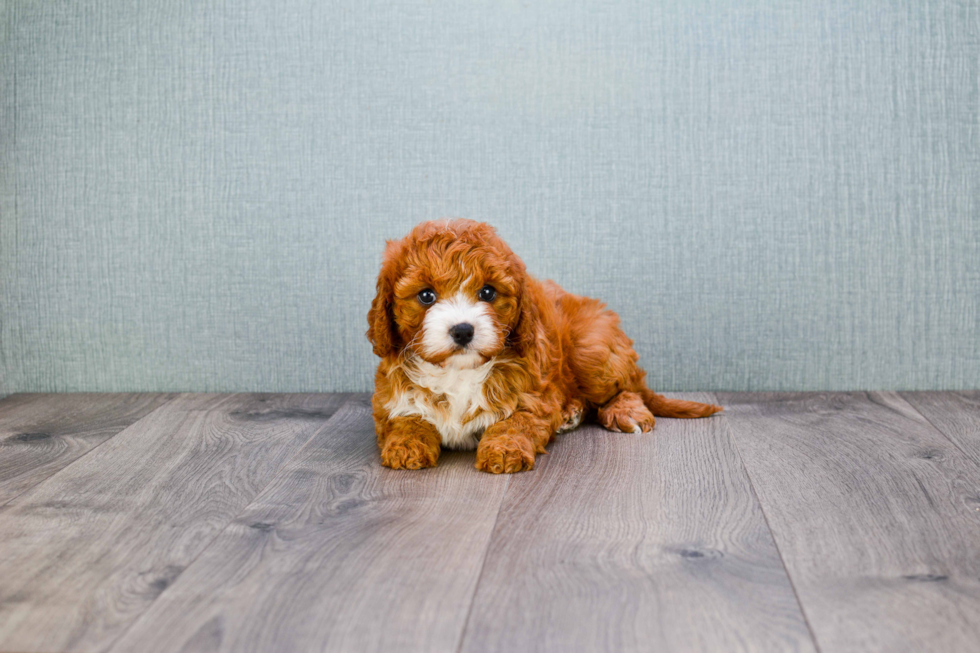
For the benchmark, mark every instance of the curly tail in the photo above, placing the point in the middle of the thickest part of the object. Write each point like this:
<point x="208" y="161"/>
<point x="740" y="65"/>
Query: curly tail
<point x="661" y="406"/>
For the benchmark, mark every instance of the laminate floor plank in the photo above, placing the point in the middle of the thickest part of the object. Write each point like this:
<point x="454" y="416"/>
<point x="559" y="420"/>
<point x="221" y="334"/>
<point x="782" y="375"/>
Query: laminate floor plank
<point x="623" y="542"/>
<point x="85" y="552"/>
<point x="955" y="414"/>
<point x="875" y="514"/>
<point x="337" y="554"/>
<point x="42" y="433"/>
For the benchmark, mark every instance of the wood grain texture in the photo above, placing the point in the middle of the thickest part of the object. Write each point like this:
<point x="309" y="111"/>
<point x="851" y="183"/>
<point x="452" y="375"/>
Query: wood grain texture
<point x="623" y="542"/>
<point x="42" y="433"/>
<point x="338" y="554"/>
<point x="875" y="514"/>
<point x="88" y="550"/>
<point x="955" y="414"/>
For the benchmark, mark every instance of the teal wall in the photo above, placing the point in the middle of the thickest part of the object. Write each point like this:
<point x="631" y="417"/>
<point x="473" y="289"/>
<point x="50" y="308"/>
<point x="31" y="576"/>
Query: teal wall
<point x="773" y="194"/>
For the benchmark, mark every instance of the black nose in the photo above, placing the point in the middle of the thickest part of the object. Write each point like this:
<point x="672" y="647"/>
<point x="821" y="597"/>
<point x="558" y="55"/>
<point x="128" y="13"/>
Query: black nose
<point x="461" y="333"/>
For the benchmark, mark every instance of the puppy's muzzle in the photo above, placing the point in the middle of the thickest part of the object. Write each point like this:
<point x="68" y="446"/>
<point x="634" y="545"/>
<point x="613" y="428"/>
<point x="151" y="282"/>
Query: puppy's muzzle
<point x="461" y="333"/>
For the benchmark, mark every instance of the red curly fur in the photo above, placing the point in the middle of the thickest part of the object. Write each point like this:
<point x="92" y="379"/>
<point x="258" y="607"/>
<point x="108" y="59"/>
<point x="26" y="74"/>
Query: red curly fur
<point x="556" y="356"/>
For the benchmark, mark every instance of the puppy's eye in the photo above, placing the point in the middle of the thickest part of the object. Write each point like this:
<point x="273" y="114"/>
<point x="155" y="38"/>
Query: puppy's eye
<point x="427" y="297"/>
<point x="487" y="294"/>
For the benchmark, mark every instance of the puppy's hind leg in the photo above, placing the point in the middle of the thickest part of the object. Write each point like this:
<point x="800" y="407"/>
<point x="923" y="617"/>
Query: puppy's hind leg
<point x="605" y="367"/>
<point x="626" y="413"/>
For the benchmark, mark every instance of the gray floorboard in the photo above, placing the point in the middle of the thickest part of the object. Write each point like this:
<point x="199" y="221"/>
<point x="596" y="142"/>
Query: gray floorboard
<point x="875" y="514"/>
<point x="85" y="552"/>
<point x="623" y="542"/>
<point x="955" y="414"/>
<point x="42" y="433"/>
<point x="338" y="554"/>
<point x="848" y="521"/>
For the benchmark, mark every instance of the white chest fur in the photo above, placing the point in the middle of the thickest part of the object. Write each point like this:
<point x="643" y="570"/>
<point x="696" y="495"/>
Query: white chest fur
<point x="455" y="404"/>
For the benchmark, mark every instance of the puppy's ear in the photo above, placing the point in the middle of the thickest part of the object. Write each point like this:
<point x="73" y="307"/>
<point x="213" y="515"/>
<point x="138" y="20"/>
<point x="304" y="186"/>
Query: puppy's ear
<point x="381" y="319"/>
<point x="525" y="334"/>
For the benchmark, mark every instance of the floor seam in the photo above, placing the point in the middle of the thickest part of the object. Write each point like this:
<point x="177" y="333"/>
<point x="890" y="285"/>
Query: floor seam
<point x="483" y="564"/>
<point x="772" y="534"/>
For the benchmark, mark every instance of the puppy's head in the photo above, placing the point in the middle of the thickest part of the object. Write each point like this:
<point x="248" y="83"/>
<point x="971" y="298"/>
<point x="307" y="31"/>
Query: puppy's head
<point x="451" y="293"/>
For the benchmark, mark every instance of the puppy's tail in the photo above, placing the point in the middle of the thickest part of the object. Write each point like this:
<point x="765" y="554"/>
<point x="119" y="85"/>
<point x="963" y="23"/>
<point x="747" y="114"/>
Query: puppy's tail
<point x="661" y="406"/>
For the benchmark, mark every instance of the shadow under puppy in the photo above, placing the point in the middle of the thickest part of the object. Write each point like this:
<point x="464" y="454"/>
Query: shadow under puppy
<point x="476" y="353"/>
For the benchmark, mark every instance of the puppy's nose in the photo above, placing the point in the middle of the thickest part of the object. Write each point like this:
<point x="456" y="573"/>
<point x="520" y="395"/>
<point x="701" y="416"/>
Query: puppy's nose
<point x="461" y="333"/>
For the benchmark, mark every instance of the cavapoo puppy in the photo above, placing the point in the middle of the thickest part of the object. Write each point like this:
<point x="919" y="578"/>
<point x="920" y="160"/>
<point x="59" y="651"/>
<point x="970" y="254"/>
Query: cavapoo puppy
<point x="477" y="353"/>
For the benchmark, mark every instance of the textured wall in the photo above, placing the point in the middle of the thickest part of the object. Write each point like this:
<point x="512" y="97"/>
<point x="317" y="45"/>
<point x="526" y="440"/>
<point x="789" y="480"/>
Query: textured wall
<point x="773" y="194"/>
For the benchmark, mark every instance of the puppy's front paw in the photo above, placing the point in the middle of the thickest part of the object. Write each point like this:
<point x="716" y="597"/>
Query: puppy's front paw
<point x="504" y="455"/>
<point x="408" y="454"/>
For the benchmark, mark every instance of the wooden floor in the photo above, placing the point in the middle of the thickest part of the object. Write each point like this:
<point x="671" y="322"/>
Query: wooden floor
<point x="830" y="522"/>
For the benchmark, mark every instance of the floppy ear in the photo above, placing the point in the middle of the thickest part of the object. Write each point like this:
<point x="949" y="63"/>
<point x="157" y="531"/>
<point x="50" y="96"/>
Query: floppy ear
<point x="525" y="334"/>
<point x="381" y="320"/>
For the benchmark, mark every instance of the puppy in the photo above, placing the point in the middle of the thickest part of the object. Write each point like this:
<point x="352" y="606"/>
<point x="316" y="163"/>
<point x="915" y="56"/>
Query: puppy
<point x="478" y="354"/>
